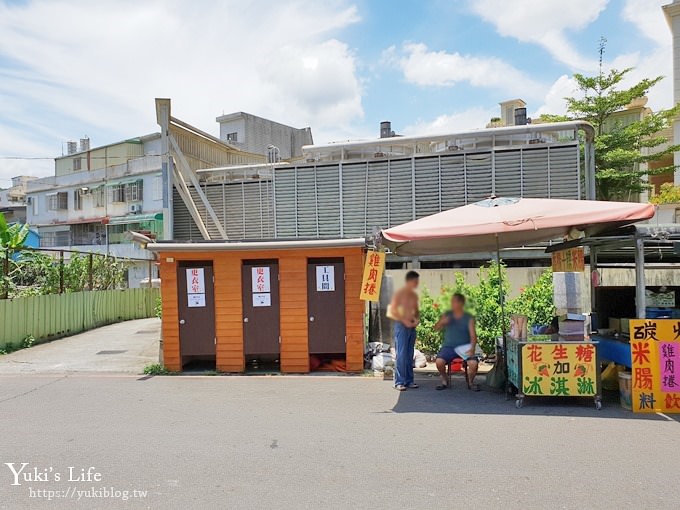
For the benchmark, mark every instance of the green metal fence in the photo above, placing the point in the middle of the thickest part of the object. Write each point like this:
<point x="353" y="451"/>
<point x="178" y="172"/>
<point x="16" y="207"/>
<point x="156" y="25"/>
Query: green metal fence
<point x="56" y="315"/>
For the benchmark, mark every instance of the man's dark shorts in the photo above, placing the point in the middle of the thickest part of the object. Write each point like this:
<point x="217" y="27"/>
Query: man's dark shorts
<point x="448" y="354"/>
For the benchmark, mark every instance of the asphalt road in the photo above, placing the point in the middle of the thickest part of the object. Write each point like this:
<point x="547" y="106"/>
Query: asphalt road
<point x="324" y="442"/>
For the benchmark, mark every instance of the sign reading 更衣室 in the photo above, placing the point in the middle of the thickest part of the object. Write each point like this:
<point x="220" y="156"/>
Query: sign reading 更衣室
<point x="325" y="278"/>
<point x="195" y="287"/>
<point x="373" y="271"/>
<point x="261" y="281"/>
<point x="655" y="352"/>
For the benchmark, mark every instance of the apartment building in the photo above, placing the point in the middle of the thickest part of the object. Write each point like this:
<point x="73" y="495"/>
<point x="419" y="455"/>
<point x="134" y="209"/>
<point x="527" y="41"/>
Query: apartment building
<point x="13" y="199"/>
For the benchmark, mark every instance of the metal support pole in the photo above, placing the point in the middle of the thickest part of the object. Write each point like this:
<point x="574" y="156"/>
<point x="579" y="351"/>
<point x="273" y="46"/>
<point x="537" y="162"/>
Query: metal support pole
<point x="593" y="268"/>
<point x="5" y="272"/>
<point x="640" y="299"/>
<point x="90" y="272"/>
<point x="61" y="271"/>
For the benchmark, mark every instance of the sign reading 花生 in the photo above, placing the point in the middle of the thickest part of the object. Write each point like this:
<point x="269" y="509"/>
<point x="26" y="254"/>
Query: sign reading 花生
<point x="373" y="271"/>
<point x="566" y="369"/>
<point x="655" y="352"/>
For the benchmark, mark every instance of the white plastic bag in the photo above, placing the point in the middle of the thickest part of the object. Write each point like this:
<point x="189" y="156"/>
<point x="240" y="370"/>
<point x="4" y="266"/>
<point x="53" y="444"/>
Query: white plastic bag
<point x="382" y="360"/>
<point x="419" y="359"/>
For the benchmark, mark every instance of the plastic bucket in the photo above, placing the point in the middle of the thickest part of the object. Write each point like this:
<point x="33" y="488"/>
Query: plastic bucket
<point x="626" y="390"/>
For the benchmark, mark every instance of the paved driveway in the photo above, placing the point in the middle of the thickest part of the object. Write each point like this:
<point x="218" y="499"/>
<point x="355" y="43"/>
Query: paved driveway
<point x="125" y="347"/>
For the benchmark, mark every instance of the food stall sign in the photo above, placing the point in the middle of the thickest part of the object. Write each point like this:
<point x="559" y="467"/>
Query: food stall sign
<point x="373" y="271"/>
<point x="655" y="352"/>
<point x="559" y="369"/>
<point x="568" y="261"/>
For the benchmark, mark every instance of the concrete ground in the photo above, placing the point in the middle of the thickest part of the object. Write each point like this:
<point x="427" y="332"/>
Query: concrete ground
<point x="323" y="442"/>
<point x="125" y="347"/>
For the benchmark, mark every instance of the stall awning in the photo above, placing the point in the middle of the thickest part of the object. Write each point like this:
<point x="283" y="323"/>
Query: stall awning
<point x="509" y="222"/>
<point x="257" y="245"/>
<point x="135" y="218"/>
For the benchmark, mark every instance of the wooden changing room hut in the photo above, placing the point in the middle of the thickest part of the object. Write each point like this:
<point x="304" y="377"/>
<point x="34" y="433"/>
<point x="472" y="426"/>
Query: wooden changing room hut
<point x="242" y="306"/>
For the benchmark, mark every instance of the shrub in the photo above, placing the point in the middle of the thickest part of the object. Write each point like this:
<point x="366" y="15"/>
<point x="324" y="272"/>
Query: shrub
<point x="156" y="369"/>
<point x="158" y="308"/>
<point x="482" y="301"/>
<point x="536" y="301"/>
<point x="668" y="194"/>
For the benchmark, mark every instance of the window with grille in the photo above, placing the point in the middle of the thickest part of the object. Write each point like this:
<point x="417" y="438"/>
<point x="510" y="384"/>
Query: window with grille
<point x="232" y="137"/>
<point x="157" y="188"/>
<point x="117" y="192"/>
<point x="57" y="201"/>
<point x="77" y="200"/>
<point x="133" y="191"/>
<point x="98" y="196"/>
<point x="77" y="164"/>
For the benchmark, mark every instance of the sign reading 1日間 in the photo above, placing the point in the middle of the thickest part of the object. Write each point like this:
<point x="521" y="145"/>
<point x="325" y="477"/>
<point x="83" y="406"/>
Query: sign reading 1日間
<point x="655" y="352"/>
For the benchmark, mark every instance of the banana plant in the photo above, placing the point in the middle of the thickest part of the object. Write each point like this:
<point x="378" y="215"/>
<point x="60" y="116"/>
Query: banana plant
<point x="12" y="236"/>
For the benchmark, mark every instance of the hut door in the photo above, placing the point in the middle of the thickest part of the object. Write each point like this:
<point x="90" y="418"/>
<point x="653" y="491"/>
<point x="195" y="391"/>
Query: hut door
<point x="326" y="305"/>
<point x="261" y="307"/>
<point x="196" y="308"/>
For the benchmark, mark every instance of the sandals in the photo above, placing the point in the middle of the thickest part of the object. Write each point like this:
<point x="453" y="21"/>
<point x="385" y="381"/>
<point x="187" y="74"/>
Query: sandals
<point x="400" y="387"/>
<point x="474" y="387"/>
<point x="442" y="387"/>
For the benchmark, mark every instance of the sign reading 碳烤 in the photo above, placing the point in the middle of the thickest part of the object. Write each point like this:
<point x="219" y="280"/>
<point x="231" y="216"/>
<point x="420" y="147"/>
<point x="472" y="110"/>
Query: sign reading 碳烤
<point x="325" y="278"/>
<point x="655" y="353"/>
<point x="373" y="271"/>
<point x="566" y="369"/>
<point x="568" y="261"/>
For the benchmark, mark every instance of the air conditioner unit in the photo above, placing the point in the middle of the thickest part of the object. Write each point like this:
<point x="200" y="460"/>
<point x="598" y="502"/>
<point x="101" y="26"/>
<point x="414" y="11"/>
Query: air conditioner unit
<point x="135" y="209"/>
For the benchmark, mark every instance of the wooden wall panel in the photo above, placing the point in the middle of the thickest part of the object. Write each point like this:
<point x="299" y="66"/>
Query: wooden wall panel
<point x="293" y="290"/>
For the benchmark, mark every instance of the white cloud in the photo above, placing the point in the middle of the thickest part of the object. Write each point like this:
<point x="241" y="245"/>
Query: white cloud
<point x="77" y="66"/>
<point x="543" y="22"/>
<point x="472" y="118"/>
<point x="424" y="67"/>
<point x="554" y="103"/>
<point x="648" y="17"/>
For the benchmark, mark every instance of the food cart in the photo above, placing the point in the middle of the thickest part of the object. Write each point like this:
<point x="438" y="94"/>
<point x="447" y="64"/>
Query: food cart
<point x="550" y="366"/>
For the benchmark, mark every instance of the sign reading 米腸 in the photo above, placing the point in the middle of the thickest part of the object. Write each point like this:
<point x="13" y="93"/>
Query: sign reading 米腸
<point x="655" y="352"/>
<point x="373" y="271"/>
<point x="566" y="369"/>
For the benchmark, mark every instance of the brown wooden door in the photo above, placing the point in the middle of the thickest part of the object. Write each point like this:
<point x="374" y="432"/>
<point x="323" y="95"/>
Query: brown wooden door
<point x="261" y="321"/>
<point x="326" y="306"/>
<point x="196" y="307"/>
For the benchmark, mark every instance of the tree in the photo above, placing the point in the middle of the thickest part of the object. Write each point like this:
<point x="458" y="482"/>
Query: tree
<point x="12" y="236"/>
<point x="621" y="150"/>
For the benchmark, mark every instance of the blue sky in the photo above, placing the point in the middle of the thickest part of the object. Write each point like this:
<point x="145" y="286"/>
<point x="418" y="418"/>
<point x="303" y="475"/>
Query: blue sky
<point x="70" y="68"/>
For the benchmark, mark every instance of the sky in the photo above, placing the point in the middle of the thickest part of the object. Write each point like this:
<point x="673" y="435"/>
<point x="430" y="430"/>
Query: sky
<point x="75" y="68"/>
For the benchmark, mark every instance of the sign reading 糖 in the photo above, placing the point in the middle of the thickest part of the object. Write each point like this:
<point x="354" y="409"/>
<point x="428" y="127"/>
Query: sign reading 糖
<point x="373" y="271"/>
<point x="567" y="369"/>
<point x="655" y="353"/>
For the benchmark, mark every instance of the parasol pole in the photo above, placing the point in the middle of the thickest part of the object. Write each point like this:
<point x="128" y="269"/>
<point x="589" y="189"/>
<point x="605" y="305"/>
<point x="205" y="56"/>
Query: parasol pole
<point x="501" y="297"/>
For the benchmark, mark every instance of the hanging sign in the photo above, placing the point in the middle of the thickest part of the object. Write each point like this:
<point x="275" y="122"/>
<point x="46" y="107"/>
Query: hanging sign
<point x="262" y="299"/>
<point x="655" y="352"/>
<point x="568" y="261"/>
<point x="567" y="369"/>
<point x="373" y="271"/>
<point x="325" y="278"/>
<point x="260" y="277"/>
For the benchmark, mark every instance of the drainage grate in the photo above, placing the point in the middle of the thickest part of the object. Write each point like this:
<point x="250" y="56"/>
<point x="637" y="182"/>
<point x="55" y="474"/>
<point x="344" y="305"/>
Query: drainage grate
<point x="111" y="352"/>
